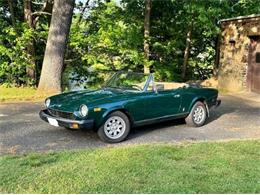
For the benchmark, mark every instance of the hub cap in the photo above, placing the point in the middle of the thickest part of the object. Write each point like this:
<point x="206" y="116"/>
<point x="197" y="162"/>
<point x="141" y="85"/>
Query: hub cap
<point x="114" y="127"/>
<point x="199" y="114"/>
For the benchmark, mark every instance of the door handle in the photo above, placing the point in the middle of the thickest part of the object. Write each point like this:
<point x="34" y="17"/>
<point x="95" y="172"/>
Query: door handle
<point x="176" y="95"/>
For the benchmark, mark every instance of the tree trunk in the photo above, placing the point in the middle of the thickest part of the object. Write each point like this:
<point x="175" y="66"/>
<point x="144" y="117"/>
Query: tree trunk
<point x="186" y="52"/>
<point x="50" y="81"/>
<point x="217" y="51"/>
<point x="30" y="70"/>
<point x="11" y="8"/>
<point x="45" y="10"/>
<point x="82" y="12"/>
<point x="146" y="35"/>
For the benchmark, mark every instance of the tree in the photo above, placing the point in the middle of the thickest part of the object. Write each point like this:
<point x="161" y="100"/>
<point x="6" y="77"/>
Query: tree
<point x="50" y="80"/>
<point x="11" y="8"/>
<point x="82" y="12"/>
<point x="30" y="70"/>
<point x="110" y="35"/>
<point x="186" y="52"/>
<point x="201" y="19"/>
<point x="187" y="45"/>
<point x="146" y="35"/>
<point x="104" y="41"/>
<point x="31" y="18"/>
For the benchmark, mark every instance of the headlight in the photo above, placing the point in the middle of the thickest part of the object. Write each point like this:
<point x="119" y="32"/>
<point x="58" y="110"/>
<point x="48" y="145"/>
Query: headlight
<point x="83" y="110"/>
<point x="47" y="102"/>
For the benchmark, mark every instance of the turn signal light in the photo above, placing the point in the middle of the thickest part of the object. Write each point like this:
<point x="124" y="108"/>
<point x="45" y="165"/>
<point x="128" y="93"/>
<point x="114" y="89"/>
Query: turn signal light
<point x="97" y="109"/>
<point x="74" y="126"/>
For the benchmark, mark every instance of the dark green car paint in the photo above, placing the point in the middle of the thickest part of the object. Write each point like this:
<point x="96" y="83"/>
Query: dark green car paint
<point x="142" y="107"/>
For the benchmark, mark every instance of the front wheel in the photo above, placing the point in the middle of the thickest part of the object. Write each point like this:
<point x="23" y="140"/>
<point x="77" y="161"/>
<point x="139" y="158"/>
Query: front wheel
<point x="197" y="116"/>
<point x="115" y="129"/>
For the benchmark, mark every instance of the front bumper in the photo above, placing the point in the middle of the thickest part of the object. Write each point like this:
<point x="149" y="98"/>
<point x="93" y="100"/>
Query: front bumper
<point x="68" y="123"/>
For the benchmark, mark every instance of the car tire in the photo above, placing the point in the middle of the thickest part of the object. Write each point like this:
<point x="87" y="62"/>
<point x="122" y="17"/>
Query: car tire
<point x="197" y="116"/>
<point x="115" y="128"/>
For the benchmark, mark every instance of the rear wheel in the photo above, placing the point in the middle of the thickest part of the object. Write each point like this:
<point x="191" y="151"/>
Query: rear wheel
<point x="197" y="116"/>
<point x="115" y="129"/>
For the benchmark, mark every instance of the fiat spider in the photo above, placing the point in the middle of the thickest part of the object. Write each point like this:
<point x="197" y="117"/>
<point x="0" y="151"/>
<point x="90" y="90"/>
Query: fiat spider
<point x="128" y="100"/>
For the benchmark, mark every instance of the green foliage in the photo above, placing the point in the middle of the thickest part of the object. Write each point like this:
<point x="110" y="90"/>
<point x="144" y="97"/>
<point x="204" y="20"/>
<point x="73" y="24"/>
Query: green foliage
<point x="14" y="40"/>
<point x="231" y="167"/>
<point x="110" y="37"/>
<point x="13" y="57"/>
<point x="104" y="42"/>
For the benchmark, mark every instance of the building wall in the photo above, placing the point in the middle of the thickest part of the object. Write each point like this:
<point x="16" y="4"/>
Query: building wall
<point x="233" y="58"/>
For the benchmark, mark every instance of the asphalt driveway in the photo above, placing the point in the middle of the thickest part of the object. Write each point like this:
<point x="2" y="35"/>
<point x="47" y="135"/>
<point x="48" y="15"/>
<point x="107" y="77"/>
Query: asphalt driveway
<point x="21" y="129"/>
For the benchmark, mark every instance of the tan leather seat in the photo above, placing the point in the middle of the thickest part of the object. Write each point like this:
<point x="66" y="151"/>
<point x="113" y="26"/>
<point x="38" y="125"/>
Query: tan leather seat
<point x="171" y="85"/>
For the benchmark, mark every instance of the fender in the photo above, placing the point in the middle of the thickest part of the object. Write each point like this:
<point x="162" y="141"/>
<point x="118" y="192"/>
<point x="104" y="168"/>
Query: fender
<point x="202" y="99"/>
<point x="110" y="110"/>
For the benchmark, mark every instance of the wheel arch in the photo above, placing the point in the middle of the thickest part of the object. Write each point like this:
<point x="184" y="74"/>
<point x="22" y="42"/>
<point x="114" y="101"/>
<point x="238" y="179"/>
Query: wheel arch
<point x="201" y="99"/>
<point x="108" y="112"/>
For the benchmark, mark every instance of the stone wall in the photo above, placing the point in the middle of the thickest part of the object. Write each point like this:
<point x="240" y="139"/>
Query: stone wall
<point x="233" y="58"/>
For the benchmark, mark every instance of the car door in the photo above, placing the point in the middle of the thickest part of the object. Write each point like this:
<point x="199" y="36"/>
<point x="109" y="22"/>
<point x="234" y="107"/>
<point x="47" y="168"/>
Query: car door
<point x="162" y="103"/>
<point x="136" y="106"/>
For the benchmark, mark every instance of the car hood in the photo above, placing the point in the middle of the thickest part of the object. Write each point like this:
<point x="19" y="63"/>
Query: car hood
<point x="71" y="101"/>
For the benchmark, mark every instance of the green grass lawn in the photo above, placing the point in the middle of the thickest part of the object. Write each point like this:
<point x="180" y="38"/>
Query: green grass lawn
<point x="15" y="94"/>
<point x="231" y="167"/>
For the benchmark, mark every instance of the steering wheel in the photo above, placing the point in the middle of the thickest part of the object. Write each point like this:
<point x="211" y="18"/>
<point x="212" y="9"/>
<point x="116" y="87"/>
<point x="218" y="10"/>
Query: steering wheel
<point x="137" y="87"/>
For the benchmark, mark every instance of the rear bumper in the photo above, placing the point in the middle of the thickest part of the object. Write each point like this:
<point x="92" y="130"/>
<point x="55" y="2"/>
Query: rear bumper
<point x="214" y="104"/>
<point x="68" y="123"/>
<point x="217" y="104"/>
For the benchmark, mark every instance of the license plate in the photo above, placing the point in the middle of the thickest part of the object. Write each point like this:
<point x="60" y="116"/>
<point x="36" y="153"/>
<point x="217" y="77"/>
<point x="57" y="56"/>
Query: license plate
<point x="53" y="122"/>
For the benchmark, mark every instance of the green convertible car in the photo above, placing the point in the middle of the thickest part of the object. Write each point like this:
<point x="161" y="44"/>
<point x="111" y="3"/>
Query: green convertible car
<point x="127" y="100"/>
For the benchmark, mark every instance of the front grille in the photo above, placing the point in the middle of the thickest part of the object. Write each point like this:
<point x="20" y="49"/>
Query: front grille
<point x="57" y="113"/>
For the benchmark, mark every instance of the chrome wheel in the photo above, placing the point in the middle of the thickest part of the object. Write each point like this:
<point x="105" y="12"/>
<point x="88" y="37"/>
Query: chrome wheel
<point x="114" y="127"/>
<point x="199" y="114"/>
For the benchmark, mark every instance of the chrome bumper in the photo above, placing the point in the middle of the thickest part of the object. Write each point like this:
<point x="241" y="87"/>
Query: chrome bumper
<point x="82" y="124"/>
<point x="217" y="104"/>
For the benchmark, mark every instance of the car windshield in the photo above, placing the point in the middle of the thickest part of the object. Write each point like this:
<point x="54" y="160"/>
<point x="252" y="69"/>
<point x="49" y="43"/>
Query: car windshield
<point x="128" y="81"/>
